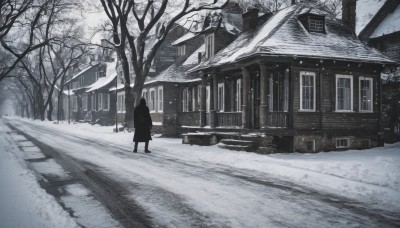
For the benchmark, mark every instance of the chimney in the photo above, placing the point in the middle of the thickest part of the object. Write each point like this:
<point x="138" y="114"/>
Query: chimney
<point x="250" y="19"/>
<point x="349" y="13"/>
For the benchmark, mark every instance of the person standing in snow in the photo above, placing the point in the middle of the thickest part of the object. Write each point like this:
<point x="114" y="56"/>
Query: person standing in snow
<point x="143" y="124"/>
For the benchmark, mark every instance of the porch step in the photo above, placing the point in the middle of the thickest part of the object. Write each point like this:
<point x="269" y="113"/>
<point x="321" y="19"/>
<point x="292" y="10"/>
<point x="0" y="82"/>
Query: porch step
<point x="234" y="144"/>
<point x="235" y="147"/>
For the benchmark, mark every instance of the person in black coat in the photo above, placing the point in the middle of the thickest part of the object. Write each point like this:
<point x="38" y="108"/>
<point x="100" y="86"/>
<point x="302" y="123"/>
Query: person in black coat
<point x="143" y="124"/>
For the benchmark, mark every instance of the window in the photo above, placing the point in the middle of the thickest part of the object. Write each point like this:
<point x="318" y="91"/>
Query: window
<point x="316" y="25"/>
<point x="152" y="102"/>
<point x="85" y="102"/>
<point x="93" y="102"/>
<point x="207" y="98"/>
<point x="185" y="100"/>
<point x="160" y="99"/>
<point x="221" y="97"/>
<point x="366" y="94"/>
<point x="278" y="94"/>
<point x="307" y="91"/>
<point x="342" y="143"/>
<point x="99" y="102"/>
<point x="239" y="95"/>
<point x="182" y="50"/>
<point x="344" y="93"/>
<point x="75" y="103"/>
<point x="106" y="101"/>
<point x="194" y="98"/>
<point x="209" y="43"/>
<point x="121" y="102"/>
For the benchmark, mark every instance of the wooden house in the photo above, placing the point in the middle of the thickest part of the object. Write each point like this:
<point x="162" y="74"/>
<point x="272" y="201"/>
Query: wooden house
<point x="299" y="79"/>
<point x="380" y="28"/>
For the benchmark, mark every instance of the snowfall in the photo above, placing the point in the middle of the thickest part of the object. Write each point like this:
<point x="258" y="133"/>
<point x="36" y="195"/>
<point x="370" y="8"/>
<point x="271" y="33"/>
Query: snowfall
<point x="371" y="177"/>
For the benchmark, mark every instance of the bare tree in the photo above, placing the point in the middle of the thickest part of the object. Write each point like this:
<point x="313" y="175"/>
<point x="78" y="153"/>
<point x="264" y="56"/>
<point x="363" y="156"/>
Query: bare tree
<point x="132" y="23"/>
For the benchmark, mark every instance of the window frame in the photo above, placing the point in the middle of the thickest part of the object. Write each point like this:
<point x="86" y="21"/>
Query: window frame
<point x="75" y="103"/>
<point x="342" y="147"/>
<point x="185" y="100"/>
<point x="105" y="98"/>
<point x="208" y="94"/>
<point x="85" y="102"/>
<point x="308" y="73"/>
<point x="371" y="80"/>
<point x="152" y="102"/>
<point x="316" y="25"/>
<point x="337" y="76"/>
<point x="182" y="50"/>
<point x="160" y="100"/>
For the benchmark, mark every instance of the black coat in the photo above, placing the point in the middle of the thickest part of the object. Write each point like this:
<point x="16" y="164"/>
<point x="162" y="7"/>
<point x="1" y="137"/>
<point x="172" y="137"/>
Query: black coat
<point x="143" y="124"/>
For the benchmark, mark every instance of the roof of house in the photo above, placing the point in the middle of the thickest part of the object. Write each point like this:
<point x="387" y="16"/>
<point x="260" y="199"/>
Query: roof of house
<point x="365" y="11"/>
<point x="79" y="74"/>
<point x="184" y="38"/>
<point x="111" y="73"/>
<point x="177" y="71"/>
<point x="284" y="35"/>
<point x="389" y="25"/>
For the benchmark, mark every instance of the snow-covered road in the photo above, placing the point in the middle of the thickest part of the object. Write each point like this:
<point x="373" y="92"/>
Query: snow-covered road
<point x="173" y="187"/>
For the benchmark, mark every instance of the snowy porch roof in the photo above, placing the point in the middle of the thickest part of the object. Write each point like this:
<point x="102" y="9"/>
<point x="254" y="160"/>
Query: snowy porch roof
<point x="284" y="35"/>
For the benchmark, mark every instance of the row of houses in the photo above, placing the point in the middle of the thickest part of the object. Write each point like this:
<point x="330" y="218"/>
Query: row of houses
<point x="299" y="79"/>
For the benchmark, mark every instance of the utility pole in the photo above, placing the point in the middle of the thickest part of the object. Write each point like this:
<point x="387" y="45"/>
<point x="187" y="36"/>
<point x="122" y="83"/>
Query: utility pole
<point x="116" y="104"/>
<point x="69" y="106"/>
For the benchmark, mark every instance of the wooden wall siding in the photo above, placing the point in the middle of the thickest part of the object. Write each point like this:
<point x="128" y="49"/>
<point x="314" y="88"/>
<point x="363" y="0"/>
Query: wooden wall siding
<point x="189" y="118"/>
<point x="388" y="45"/>
<point x="277" y="119"/>
<point x="351" y="121"/>
<point x="222" y="39"/>
<point x="89" y="77"/>
<point x="326" y="97"/>
<point x="225" y="119"/>
<point x="167" y="53"/>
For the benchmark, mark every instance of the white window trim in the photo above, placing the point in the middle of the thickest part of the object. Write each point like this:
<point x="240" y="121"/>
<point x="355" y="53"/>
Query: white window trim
<point x="182" y="50"/>
<point x="99" y="101"/>
<point x="239" y="95"/>
<point x="151" y="102"/>
<point x="93" y="102"/>
<point x="221" y="107"/>
<point x="160" y="101"/>
<point x="185" y="100"/>
<point x="351" y="92"/>
<point x="340" y="147"/>
<point x="121" y="102"/>
<point x="301" y="91"/>
<point x="372" y="94"/>
<point x="108" y="102"/>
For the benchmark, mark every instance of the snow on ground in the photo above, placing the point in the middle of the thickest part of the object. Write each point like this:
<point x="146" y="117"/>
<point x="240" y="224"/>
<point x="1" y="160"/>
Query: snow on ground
<point x="23" y="203"/>
<point x="370" y="176"/>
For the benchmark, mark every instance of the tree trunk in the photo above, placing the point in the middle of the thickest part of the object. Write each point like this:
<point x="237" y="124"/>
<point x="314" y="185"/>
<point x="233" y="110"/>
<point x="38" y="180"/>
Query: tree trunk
<point x="50" y="111"/>
<point x="130" y="105"/>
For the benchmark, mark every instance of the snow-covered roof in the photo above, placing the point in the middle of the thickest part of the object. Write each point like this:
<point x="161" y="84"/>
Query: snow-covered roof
<point x="79" y="74"/>
<point x="284" y="35"/>
<point x="389" y="25"/>
<point x="111" y="73"/>
<point x="365" y="11"/>
<point x="184" y="38"/>
<point x="194" y="58"/>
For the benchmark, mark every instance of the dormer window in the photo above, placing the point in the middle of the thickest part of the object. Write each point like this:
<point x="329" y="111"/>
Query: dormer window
<point x="316" y="25"/>
<point x="209" y="43"/>
<point x="181" y="50"/>
<point x="313" y="22"/>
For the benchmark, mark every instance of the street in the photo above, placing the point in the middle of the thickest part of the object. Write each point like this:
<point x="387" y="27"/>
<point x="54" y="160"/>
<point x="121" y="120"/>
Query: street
<point x="164" y="189"/>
